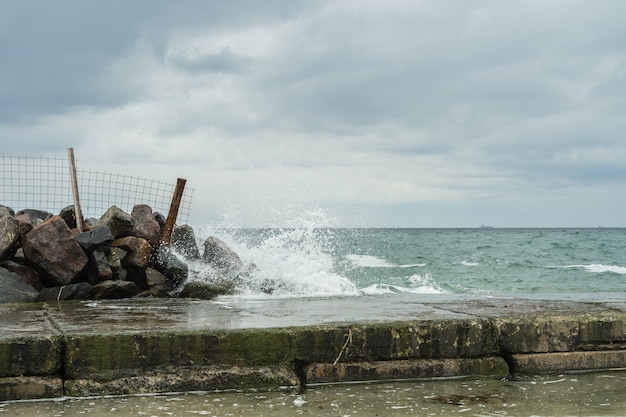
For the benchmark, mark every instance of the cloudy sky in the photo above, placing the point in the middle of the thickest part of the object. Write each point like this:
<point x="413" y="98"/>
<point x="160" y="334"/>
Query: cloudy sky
<point x="407" y="113"/>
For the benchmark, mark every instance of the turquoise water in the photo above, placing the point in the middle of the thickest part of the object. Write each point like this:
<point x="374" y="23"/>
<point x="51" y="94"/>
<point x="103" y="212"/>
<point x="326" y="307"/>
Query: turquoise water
<point x="322" y="261"/>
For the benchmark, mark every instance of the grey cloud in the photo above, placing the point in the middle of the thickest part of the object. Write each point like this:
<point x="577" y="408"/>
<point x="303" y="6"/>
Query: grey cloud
<point x="487" y="92"/>
<point x="224" y="60"/>
<point x="54" y="53"/>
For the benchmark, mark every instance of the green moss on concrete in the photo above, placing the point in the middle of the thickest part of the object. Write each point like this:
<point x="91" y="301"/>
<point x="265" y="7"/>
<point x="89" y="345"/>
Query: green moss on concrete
<point x="539" y="334"/>
<point x="97" y="354"/>
<point x="602" y="329"/>
<point x="31" y="356"/>
<point x="433" y="339"/>
<point x="325" y="343"/>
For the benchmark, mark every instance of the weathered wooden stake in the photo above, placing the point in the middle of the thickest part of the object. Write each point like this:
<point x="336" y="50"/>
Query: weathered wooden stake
<point x="77" y="211"/>
<point x="166" y="238"/>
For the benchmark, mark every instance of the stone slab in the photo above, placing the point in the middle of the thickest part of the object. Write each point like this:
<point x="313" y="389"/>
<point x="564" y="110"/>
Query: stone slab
<point x="324" y="373"/>
<point x="30" y="388"/>
<point x="538" y="363"/>
<point x="29" y="343"/>
<point x="185" y="378"/>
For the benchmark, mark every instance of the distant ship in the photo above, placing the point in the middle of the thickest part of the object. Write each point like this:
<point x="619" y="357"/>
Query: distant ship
<point x="483" y="226"/>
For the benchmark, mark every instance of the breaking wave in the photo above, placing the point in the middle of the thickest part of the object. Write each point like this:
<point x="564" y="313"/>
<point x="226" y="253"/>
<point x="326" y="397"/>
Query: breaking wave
<point x="596" y="268"/>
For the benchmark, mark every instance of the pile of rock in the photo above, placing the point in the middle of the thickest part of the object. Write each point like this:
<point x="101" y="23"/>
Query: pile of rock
<point x="43" y="257"/>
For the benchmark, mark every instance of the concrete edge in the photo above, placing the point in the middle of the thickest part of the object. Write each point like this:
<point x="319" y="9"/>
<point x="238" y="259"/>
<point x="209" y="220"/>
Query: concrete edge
<point x="541" y="363"/>
<point x="80" y="364"/>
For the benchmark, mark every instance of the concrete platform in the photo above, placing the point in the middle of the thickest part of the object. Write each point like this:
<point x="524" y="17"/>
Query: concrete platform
<point x="164" y="345"/>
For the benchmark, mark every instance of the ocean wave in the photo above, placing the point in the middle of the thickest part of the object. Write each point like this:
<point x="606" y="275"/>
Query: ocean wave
<point x="378" y="289"/>
<point x="282" y="263"/>
<point x="468" y="263"/>
<point x="596" y="268"/>
<point x="370" y="261"/>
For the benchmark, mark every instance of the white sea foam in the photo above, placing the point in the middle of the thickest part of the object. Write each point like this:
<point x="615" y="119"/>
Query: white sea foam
<point x="287" y="262"/>
<point x="468" y="263"/>
<point x="419" y="284"/>
<point x="378" y="289"/>
<point x="370" y="261"/>
<point x="596" y="268"/>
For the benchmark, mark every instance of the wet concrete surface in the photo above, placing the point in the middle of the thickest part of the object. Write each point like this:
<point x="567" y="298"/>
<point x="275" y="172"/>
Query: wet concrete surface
<point x="138" y="345"/>
<point x="138" y="315"/>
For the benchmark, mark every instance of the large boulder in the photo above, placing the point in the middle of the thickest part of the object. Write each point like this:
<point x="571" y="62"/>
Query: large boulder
<point x="9" y="234"/>
<point x="220" y="256"/>
<point x="78" y="291"/>
<point x="119" y="223"/>
<point x="6" y="211"/>
<point x="98" y="238"/>
<point x="146" y="225"/>
<point x="171" y="266"/>
<point x="158" y="284"/>
<point x="115" y="289"/>
<point x="69" y="215"/>
<point x="184" y="242"/>
<point x="25" y="272"/>
<point x="138" y="250"/>
<point x="98" y="268"/>
<point x="204" y="290"/>
<point x="40" y="215"/>
<point x="14" y="290"/>
<point x="25" y="223"/>
<point x="51" y="249"/>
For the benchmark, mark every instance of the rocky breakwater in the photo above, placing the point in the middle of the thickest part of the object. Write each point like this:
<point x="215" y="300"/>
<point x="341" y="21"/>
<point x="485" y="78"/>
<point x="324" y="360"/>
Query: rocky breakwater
<point x="43" y="257"/>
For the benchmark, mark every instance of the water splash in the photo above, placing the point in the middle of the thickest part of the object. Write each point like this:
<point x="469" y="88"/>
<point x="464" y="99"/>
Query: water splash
<point x="290" y="261"/>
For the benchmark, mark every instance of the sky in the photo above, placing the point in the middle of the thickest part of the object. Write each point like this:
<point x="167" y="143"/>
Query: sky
<point x="348" y="113"/>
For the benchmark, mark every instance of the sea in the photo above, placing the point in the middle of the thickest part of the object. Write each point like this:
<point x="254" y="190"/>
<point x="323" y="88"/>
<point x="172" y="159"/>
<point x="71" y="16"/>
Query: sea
<point x="312" y="261"/>
<point x="309" y="261"/>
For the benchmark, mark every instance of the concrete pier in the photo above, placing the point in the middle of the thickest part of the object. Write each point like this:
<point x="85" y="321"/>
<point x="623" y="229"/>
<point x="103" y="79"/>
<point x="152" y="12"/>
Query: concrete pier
<point x="164" y="345"/>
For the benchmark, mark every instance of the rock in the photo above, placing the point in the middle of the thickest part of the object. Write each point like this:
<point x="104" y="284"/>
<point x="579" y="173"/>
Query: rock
<point x="184" y="242"/>
<point x="25" y="272"/>
<point x="158" y="284"/>
<point x="138" y="250"/>
<point x="69" y="216"/>
<point x="219" y="255"/>
<point x="171" y="266"/>
<point x="135" y="274"/>
<point x="119" y="223"/>
<point x="35" y="214"/>
<point x="115" y="289"/>
<point x="9" y="234"/>
<point x="161" y="220"/>
<point x="14" y="290"/>
<point x="79" y="291"/>
<point x="6" y="211"/>
<point x="98" y="238"/>
<point x="146" y="225"/>
<point x="98" y="268"/>
<point x="115" y="261"/>
<point x="25" y="223"/>
<point x="204" y="290"/>
<point x="53" y="252"/>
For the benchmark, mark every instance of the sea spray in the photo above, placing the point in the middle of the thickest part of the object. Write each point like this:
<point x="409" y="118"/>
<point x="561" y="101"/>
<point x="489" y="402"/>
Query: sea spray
<point x="291" y="261"/>
<point x="312" y="258"/>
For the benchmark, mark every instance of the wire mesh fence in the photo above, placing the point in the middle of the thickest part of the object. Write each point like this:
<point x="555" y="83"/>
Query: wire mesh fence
<point x="44" y="183"/>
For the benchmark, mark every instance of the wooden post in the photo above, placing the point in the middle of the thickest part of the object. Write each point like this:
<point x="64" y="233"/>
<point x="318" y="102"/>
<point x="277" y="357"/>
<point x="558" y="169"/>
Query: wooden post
<point x="77" y="211"/>
<point x="166" y="238"/>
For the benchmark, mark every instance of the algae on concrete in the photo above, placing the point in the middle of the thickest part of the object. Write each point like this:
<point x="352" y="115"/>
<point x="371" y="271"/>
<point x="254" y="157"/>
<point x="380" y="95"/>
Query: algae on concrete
<point x="31" y="355"/>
